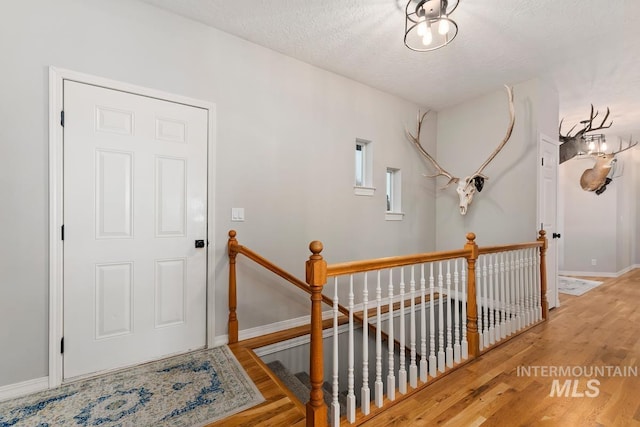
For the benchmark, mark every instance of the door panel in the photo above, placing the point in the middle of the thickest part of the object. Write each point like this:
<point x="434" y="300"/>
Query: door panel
<point x="548" y="212"/>
<point x="135" y="198"/>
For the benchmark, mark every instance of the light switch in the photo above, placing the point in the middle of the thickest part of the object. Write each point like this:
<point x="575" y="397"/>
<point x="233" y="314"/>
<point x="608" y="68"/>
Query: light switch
<point x="237" y="214"/>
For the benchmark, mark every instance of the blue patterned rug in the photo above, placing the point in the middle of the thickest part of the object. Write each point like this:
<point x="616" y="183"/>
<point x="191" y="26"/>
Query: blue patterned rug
<point x="188" y="390"/>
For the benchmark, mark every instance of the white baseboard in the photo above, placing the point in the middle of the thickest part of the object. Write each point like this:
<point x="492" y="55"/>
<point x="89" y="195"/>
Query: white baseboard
<point x="26" y="387"/>
<point x="599" y="273"/>
<point x="587" y="273"/>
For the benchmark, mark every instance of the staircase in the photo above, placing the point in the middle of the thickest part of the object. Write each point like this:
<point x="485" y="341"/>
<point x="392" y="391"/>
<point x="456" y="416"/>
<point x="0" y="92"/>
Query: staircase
<point x="300" y="385"/>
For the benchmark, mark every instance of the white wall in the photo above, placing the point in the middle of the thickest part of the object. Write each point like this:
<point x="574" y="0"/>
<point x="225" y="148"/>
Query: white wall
<point x="506" y="209"/>
<point x="600" y="227"/>
<point x="285" y="150"/>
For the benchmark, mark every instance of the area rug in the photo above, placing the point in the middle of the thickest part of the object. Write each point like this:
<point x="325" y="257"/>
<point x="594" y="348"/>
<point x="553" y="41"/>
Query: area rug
<point x="573" y="286"/>
<point x="184" y="391"/>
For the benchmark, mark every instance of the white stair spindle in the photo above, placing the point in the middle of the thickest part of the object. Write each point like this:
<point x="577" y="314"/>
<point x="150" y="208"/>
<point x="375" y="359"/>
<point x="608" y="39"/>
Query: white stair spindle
<point x="423" y="327"/>
<point x="538" y="283"/>
<point x="464" y="345"/>
<point x="391" y="378"/>
<point x="402" y="371"/>
<point x="491" y="308"/>
<point x="514" y="294"/>
<point x="351" y="397"/>
<point x="379" y="394"/>
<point x="334" y="415"/>
<point x="529" y="283"/>
<point x="441" y="355"/>
<point x="519" y="293"/>
<point x="479" y="304"/>
<point x="365" y="393"/>
<point x="503" y="300"/>
<point x="449" y="320"/>
<point x="432" y="326"/>
<point x="456" y="312"/>
<point x="485" y="297"/>
<point x="413" y="368"/>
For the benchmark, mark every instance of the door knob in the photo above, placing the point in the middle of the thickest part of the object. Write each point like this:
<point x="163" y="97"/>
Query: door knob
<point x="556" y="235"/>
<point x="199" y="243"/>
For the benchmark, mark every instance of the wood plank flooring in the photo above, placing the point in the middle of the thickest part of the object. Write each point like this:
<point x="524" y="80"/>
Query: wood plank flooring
<point x="600" y="328"/>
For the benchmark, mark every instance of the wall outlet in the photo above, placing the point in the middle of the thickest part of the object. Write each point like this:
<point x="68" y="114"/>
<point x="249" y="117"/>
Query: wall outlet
<point x="594" y="261"/>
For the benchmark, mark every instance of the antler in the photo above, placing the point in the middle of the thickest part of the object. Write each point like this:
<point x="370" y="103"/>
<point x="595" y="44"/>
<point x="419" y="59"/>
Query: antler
<point x="628" y="146"/>
<point x="416" y="141"/>
<point x="588" y="125"/>
<point x="504" y="141"/>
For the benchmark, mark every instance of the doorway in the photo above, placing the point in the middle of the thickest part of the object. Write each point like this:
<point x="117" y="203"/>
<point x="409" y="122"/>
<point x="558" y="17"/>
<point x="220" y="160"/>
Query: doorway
<point x="133" y="203"/>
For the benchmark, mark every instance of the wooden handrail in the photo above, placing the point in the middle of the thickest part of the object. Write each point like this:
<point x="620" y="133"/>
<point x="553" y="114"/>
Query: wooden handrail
<point x="340" y="269"/>
<point x="233" y="249"/>
<point x="506" y="248"/>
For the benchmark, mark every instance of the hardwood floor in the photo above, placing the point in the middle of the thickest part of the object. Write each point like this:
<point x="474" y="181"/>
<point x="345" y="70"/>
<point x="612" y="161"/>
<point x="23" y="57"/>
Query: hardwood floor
<point x="596" y="330"/>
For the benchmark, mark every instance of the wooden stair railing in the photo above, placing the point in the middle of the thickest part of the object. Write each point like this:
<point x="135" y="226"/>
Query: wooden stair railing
<point x="317" y="272"/>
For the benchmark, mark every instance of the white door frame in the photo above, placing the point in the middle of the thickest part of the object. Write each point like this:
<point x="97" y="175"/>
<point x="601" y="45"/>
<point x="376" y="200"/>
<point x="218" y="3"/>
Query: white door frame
<point x="56" y="78"/>
<point x="556" y="142"/>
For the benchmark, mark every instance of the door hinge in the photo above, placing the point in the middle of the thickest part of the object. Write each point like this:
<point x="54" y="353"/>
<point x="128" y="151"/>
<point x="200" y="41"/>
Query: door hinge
<point x="62" y="118"/>
<point x="542" y="161"/>
<point x="62" y="232"/>
<point x="62" y="345"/>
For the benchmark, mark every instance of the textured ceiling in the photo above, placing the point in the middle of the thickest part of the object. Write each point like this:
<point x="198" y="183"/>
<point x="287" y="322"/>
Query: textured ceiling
<point x="590" y="49"/>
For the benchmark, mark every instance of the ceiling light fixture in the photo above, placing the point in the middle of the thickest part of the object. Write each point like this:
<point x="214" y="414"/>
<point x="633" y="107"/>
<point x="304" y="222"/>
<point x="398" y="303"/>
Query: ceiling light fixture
<point x="422" y="16"/>
<point x="596" y="143"/>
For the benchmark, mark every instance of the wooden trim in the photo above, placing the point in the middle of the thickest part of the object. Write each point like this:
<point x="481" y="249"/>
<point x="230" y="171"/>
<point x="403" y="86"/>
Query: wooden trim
<point x="506" y="248"/>
<point x="543" y="274"/>
<point x="390" y="262"/>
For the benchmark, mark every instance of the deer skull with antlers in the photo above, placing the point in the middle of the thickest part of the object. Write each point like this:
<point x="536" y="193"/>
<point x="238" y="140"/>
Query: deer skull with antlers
<point x="596" y="179"/>
<point x="474" y="182"/>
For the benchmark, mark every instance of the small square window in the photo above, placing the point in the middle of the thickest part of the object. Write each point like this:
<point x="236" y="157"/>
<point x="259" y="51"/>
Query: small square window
<point x="394" y="194"/>
<point x="363" y="185"/>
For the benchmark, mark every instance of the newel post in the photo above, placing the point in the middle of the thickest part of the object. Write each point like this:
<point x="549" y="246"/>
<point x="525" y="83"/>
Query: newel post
<point x="233" y="300"/>
<point x="543" y="274"/>
<point x="316" y="275"/>
<point x="473" y="338"/>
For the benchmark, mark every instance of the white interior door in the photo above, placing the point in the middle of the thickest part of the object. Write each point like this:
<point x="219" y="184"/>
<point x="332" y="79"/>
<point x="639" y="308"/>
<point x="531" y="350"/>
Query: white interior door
<point x="548" y="211"/>
<point x="135" y="202"/>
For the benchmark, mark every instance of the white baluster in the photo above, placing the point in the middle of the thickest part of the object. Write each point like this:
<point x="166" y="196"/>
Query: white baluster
<point x="529" y="286"/>
<point x="519" y="293"/>
<point x="449" y="320"/>
<point x="441" y="355"/>
<point x="538" y="283"/>
<point x="456" y="336"/>
<point x="479" y="304"/>
<point x="335" y="404"/>
<point x="379" y="397"/>
<point x="508" y="287"/>
<point x="402" y="371"/>
<point x="432" y="326"/>
<point x="491" y="307"/>
<point x="391" y="378"/>
<point x="351" y="397"/>
<point x="485" y="297"/>
<point x="413" y="368"/>
<point x="423" y="327"/>
<point x="365" y="393"/>
<point x="464" y="344"/>
<point x="515" y="292"/>
<point x="503" y="299"/>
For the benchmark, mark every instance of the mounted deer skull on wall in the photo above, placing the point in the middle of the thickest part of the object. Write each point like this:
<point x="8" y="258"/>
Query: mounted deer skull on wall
<point x="468" y="186"/>
<point x="572" y="145"/>
<point x="596" y="179"/>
